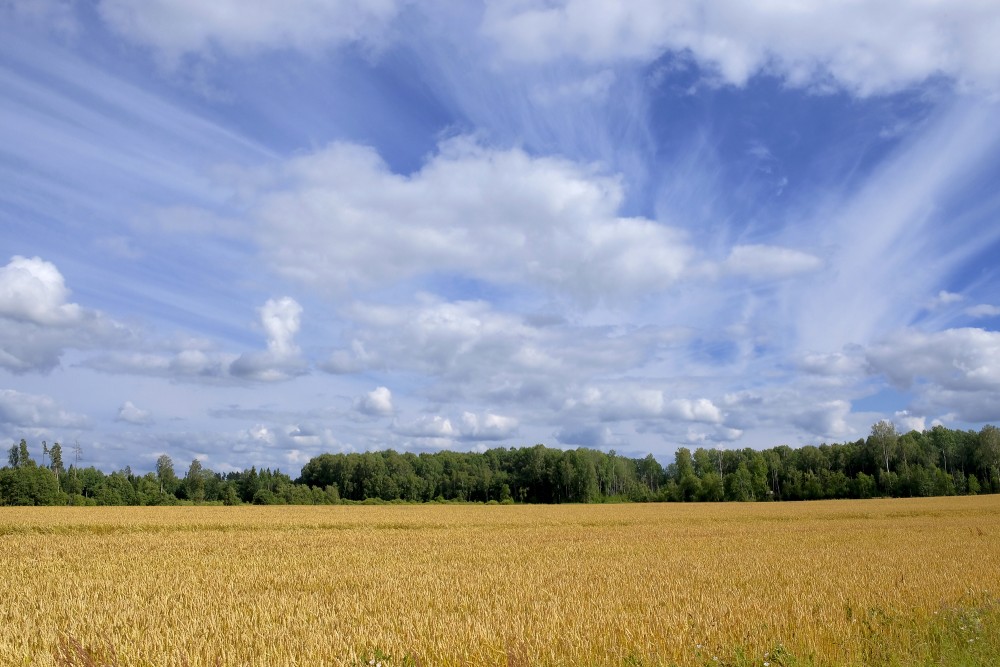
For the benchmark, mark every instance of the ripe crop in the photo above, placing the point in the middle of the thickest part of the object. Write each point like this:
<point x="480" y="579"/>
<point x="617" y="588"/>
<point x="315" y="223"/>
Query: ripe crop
<point x="826" y="583"/>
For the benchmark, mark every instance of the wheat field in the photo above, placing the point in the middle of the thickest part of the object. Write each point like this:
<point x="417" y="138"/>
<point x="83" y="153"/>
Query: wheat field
<point x="825" y="583"/>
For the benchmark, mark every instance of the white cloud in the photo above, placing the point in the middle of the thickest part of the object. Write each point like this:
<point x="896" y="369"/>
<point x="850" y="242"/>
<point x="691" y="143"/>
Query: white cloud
<point x="827" y="419"/>
<point x="130" y="414"/>
<point x="244" y="27"/>
<point x="499" y="359"/>
<point x="193" y="364"/>
<point x="909" y="422"/>
<point x="945" y="298"/>
<point x="956" y="359"/>
<point x="443" y="431"/>
<point x="847" y="364"/>
<point x="956" y="370"/>
<point x="865" y="48"/>
<point x="32" y="411"/>
<point x="983" y="310"/>
<point x="340" y="219"/>
<point x="261" y="433"/>
<point x="427" y="427"/>
<point x="594" y="436"/>
<point x="487" y="426"/>
<point x="971" y="406"/>
<point x="33" y="290"/>
<point x="818" y="410"/>
<point x="764" y="261"/>
<point x="440" y="430"/>
<point x="377" y="402"/>
<point x="281" y="319"/>
<point x="37" y="321"/>
<point x="432" y="337"/>
<point x="615" y="403"/>
<point x="719" y="434"/>
<point x="699" y="410"/>
<point x="197" y="360"/>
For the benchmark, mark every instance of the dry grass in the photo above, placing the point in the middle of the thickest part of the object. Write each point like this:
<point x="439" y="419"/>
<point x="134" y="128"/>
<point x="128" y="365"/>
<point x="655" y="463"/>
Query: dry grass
<point x="831" y="583"/>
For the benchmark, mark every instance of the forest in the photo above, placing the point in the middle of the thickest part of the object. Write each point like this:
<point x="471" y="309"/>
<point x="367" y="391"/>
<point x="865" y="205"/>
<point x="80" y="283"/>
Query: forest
<point x="934" y="462"/>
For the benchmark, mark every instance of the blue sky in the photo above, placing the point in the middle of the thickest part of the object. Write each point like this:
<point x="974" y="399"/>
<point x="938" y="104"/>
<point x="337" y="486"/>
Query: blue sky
<point x="252" y="232"/>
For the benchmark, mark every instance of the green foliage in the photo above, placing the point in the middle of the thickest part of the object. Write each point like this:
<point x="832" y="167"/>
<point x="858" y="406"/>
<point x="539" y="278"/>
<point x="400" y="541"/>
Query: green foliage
<point x="935" y="462"/>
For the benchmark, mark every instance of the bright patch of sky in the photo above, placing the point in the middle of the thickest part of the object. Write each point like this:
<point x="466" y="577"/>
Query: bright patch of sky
<point x="253" y="232"/>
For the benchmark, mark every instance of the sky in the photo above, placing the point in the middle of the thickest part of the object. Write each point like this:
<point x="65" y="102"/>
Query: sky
<point x="251" y="232"/>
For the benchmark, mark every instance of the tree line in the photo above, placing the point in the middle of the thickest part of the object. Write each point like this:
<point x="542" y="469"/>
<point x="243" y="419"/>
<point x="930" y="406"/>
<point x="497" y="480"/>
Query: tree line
<point x="934" y="462"/>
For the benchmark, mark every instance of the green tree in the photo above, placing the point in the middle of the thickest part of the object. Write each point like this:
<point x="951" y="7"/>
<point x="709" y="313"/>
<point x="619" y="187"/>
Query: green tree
<point x="739" y="484"/>
<point x="165" y="474"/>
<point x="688" y="484"/>
<point x="23" y="455"/>
<point x="29" y="485"/>
<point x="55" y="458"/>
<point x="988" y="454"/>
<point x="973" y="484"/>
<point x="944" y="441"/>
<point x="194" y="482"/>
<point x="230" y="495"/>
<point x="863" y="486"/>
<point x="883" y="438"/>
<point x="712" y="489"/>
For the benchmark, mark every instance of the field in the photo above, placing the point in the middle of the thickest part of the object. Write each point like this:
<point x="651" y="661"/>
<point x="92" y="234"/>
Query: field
<point x="828" y="583"/>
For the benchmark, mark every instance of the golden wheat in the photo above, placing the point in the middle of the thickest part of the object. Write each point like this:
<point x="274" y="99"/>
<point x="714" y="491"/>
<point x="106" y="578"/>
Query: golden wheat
<point x="848" y="582"/>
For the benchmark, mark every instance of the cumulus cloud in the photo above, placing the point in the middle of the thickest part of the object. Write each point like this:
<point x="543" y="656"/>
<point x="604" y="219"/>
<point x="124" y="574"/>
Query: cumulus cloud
<point x="827" y="419"/>
<point x="341" y="219"/>
<point x="955" y="370"/>
<point x="955" y="359"/>
<point x="130" y="414"/>
<point x="909" y="422"/>
<point x="945" y="298"/>
<point x="38" y="322"/>
<point x="437" y="337"/>
<point x="436" y="427"/>
<point x="377" y="403"/>
<point x="818" y="411"/>
<point x="243" y="28"/>
<point x="866" y="49"/>
<point x="972" y="406"/>
<point x="197" y="360"/>
<point x="281" y="319"/>
<point x="33" y="290"/>
<point x="847" y="364"/>
<point x="715" y="435"/>
<point x="624" y="403"/>
<point x="595" y="436"/>
<point x="470" y="426"/>
<point x="193" y="363"/>
<point x="33" y="411"/>
<point x="503" y="360"/>
<point x="487" y="426"/>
